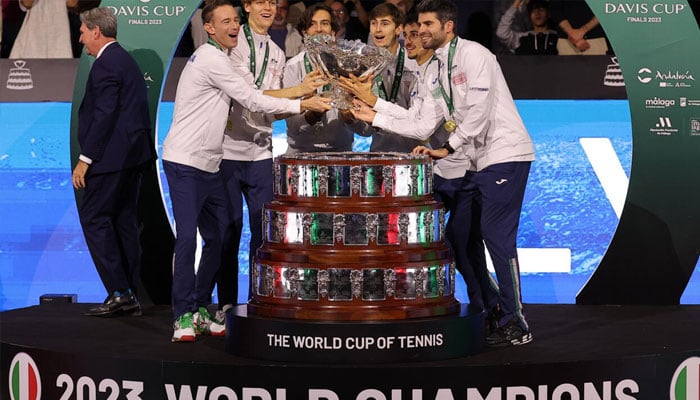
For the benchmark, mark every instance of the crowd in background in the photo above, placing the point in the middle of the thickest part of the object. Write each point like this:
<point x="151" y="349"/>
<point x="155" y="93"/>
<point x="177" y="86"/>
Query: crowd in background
<point x="503" y="26"/>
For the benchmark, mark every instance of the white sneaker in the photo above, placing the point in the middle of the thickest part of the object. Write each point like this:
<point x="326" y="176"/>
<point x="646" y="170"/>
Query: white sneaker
<point x="205" y="325"/>
<point x="220" y="315"/>
<point x="183" y="328"/>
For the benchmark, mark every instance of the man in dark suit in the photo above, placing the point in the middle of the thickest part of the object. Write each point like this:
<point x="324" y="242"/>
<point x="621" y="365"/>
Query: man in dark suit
<point x="114" y="132"/>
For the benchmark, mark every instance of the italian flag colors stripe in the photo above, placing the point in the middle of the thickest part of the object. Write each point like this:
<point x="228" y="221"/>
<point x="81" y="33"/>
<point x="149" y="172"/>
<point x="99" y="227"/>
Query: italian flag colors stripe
<point x="686" y="382"/>
<point x="24" y="380"/>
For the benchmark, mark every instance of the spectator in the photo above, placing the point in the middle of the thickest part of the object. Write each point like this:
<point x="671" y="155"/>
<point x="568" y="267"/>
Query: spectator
<point x="540" y="40"/>
<point x="285" y="36"/>
<point x="580" y="32"/>
<point x="349" y="27"/>
<point x="45" y="31"/>
<point x="12" y="19"/>
<point x="296" y="9"/>
<point x="355" y="10"/>
<point x="521" y="22"/>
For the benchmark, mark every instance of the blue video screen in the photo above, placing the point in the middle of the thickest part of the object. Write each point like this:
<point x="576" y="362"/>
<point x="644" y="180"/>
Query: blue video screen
<point x="572" y="203"/>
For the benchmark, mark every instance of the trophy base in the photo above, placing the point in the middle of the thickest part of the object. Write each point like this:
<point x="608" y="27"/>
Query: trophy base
<point x="358" y="342"/>
<point x="354" y="313"/>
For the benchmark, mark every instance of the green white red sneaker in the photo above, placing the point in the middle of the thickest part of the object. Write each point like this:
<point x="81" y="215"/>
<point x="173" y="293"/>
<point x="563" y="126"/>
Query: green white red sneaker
<point x="204" y="324"/>
<point x="183" y="328"/>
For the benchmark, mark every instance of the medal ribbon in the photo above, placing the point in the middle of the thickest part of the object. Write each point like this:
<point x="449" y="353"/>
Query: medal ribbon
<point x="450" y="58"/>
<point x="251" y="44"/>
<point x="230" y="102"/>
<point x="397" y="79"/>
<point x="213" y="43"/>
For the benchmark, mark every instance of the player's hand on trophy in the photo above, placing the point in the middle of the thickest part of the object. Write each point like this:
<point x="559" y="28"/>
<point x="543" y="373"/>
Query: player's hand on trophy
<point x="359" y="87"/>
<point x="346" y="116"/>
<point x="434" y="153"/>
<point x="362" y="111"/>
<point x="316" y="103"/>
<point x="312" y="81"/>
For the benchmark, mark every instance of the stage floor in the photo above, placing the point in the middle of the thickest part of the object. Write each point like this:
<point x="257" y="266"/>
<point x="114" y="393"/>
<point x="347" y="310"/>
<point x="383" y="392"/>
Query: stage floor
<point x="614" y="352"/>
<point x="561" y="333"/>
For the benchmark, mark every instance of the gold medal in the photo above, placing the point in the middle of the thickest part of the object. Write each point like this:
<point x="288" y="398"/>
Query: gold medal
<point x="450" y="126"/>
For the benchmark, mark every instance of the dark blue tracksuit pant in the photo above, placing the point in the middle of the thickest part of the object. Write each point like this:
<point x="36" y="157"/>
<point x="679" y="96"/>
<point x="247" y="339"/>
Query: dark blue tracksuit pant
<point x="498" y="191"/>
<point x="199" y="201"/>
<point x="253" y="181"/>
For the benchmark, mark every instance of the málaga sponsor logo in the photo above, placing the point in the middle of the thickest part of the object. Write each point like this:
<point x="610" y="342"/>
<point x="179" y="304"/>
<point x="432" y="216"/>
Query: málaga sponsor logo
<point x="24" y="379"/>
<point x="657" y="102"/>
<point x="685" y="384"/>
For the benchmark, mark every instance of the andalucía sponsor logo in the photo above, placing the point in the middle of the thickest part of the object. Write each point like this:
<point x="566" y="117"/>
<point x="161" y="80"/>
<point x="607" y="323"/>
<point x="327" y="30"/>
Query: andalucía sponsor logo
<point x="644" y="75"/>
<point x="685" y="384"/>
<point x="25" y="382"/>
<point x="668" y="79"/>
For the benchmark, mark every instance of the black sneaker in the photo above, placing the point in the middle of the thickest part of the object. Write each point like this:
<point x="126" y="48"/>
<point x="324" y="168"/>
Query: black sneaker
<point x="510" y="334"/>
<point x="491" y="320"/>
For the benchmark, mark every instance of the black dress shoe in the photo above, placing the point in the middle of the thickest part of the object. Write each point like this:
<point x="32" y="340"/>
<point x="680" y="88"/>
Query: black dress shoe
<point x="116" y="302"/>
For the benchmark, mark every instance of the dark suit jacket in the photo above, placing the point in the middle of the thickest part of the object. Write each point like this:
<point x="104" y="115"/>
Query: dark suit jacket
<point x="114" y="126"/>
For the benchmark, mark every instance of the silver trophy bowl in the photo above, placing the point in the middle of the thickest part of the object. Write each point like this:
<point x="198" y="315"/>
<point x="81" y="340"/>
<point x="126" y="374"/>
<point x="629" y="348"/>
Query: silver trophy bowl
<point x="336" y="58"/>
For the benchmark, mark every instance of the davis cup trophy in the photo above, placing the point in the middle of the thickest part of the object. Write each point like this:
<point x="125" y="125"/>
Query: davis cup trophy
<point x="354" y="265"/>
<point x="336" y="58"/>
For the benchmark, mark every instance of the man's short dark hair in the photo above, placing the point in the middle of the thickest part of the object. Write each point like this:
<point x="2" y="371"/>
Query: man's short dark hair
<point x="387" y="10"/>
<point x="411" y="17"/>
<point x="535" y="4"/>
<point x="306" y="18"/>
<point x="210" y="6"/>
<point x="445" y="10"/>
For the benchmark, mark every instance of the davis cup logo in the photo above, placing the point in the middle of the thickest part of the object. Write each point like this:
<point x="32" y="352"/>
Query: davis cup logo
<point x="25" y="382"/>
<point x="686" y="380"/>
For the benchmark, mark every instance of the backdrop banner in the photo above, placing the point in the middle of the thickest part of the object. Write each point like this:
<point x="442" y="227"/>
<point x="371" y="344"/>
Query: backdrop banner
<point x="655" y="248"/>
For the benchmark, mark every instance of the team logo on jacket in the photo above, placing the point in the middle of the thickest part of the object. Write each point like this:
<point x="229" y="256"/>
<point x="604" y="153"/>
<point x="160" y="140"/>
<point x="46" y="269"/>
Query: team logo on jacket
<point x="459" y="79"/>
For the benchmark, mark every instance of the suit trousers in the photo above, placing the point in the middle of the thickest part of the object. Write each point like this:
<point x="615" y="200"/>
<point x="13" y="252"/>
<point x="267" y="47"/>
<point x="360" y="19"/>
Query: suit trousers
<point x="199" y="202"/>
<point x="108" y="215"/>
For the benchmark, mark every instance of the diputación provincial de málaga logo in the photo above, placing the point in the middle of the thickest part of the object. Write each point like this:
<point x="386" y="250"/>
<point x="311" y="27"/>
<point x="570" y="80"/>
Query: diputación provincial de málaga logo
<point x="685" y="384"/>
<point x="25" y="382"/>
